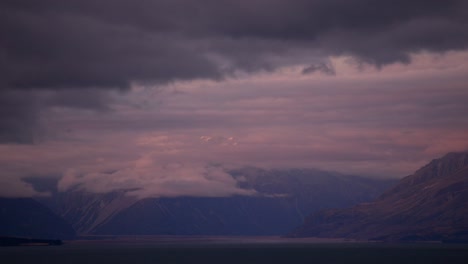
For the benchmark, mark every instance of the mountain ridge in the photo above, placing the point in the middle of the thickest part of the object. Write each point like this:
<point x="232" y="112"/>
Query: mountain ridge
<point x="25" y="217"/>
<point x="431" y="204"/>
<point x="285" y="195"/>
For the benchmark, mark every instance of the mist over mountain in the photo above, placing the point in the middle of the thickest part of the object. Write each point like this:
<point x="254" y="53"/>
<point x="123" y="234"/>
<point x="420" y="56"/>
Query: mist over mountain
<point x="431" y="204"/>
<point x="283" y="198"/>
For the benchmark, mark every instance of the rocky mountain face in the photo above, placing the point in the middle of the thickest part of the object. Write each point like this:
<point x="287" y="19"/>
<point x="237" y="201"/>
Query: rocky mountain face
<point x="283" y="198"/>
<point x="25" y="217"/>
<point x="85" y="211"/>
<point x="431" y="204"/>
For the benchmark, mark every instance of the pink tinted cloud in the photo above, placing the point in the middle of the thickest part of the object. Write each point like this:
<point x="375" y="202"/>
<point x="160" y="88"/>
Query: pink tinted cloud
<point x="181" y="139"/>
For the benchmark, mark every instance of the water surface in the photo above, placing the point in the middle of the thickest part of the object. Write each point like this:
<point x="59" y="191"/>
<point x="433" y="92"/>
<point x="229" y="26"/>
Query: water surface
<point x="208" y="250"/>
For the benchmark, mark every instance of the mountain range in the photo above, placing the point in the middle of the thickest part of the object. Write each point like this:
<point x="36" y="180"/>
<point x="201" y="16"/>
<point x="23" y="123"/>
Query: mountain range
<point x="431" y="204"/>
<point x="284" y="198"/>
<point x="25" y="217"/>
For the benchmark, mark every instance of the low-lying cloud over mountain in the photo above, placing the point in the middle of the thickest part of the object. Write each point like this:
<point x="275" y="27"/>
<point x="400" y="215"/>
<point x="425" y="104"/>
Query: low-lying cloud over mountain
<point x="91" y="89"/>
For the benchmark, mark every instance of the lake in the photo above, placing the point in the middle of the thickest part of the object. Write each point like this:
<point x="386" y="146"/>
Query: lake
<point x="207" y="250"/>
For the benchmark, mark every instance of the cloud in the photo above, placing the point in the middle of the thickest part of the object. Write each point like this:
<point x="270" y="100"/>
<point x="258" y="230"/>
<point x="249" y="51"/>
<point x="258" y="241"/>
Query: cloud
<point x="325" y="68"/>
<point x="148" y="176"/>
<point x="18" y="117"/>
<point x="23" y="113"/>
<point x="94" y="88"/>
<point x="219" y="140"/>
<point x="111" y="45"/>
<point x="381" y="123"/>
<point x="12" y="187"/>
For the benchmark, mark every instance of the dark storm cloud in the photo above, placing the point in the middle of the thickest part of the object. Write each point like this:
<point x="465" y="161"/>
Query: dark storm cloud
<point x="323" y="67"/>
<point x="60" y="45"/>
<point x="79" y="98"/>
<point x="20" y="110"/>
<point x="18" y="117"/>
<point x="58" y="51"/>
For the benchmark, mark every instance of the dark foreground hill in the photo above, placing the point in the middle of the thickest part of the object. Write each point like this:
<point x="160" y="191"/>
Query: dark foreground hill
<point x="284" y="198"/>
<point x="25" y="217"/>
<point x="431" y="204"/>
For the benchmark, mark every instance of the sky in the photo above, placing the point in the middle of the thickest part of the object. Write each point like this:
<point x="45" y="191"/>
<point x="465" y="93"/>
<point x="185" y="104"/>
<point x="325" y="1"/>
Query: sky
<point x="164" y="97"/>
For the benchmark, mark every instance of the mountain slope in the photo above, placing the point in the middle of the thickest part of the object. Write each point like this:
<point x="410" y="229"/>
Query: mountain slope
<point x="85" y="211"/>
<point x="25" y="217"/>
<point x="284" y="198"/>
<point x="431" y="204"/>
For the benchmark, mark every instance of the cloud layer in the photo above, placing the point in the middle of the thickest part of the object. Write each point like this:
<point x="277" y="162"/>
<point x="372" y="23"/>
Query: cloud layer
<point x="55" y="45"/>
<point x="192" y="88"/>
<point x="181" y="139"/>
